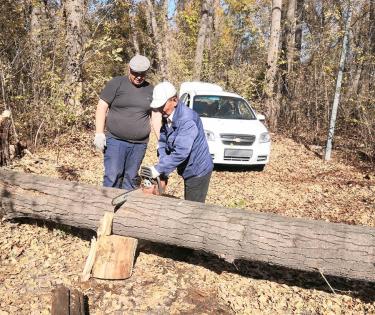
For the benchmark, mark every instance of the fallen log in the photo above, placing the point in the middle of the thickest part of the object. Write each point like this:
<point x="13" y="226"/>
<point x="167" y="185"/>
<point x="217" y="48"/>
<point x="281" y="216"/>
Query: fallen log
<point x="330" y="248"/>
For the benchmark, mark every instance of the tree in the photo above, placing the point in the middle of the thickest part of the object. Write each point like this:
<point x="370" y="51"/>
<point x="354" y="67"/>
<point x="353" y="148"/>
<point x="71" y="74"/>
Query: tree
<point x="158" y="39"/>
<point x="336" y="100"/>
<point x="134" y="30"/>
<point x="74" y="11"/>
<point x="273" y="53"/>
<point x="202" y="35"/>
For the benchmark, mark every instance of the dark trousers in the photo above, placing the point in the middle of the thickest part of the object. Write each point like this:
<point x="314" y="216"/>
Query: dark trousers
<point x="122" y="160"/>
<point x="196" y="188"/>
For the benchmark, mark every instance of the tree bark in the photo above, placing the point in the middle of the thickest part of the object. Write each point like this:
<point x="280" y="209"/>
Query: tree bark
<point x="74" y="24"/>
<point x="273" y="52"/>
<point x="331" y="248"/>
<point x="202" y="35"/>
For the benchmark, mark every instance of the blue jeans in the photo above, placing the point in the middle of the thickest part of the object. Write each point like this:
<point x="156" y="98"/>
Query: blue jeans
<point x="122" y="160"/>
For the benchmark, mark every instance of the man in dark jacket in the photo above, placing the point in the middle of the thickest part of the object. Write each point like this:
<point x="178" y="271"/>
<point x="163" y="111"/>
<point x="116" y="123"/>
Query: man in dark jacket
<point x="182" y="143"/>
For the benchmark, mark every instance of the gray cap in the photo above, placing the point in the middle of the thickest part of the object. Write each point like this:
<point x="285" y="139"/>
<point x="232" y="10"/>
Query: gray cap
<point x="139" y="63"/>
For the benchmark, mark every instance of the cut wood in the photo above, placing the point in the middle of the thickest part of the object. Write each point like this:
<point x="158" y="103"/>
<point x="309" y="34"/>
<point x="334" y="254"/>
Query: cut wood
<point x="67" y="302"/>
<point x="114" y="257"/>
<point x="105" y="226"/>
<point x="89" y="261"/>
<point x="333" y="249"/>
<point x="111" y="257"/>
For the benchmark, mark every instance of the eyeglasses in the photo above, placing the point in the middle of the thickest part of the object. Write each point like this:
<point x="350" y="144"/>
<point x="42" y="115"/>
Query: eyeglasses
<point x="137" y="74"/>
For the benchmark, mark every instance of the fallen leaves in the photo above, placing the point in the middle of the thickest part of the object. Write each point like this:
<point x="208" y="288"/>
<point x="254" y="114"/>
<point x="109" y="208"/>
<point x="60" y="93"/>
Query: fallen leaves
<point x="34" y="259"/>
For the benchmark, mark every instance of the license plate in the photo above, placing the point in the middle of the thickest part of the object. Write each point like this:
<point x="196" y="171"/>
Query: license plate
<point x="238" y="153"/>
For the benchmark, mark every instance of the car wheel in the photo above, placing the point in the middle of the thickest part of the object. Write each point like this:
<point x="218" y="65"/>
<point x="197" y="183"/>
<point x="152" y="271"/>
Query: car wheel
<point x="259" y="168"/>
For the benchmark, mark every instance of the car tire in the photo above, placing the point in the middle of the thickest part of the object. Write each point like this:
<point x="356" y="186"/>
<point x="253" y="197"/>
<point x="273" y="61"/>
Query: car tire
<point x="259" y="168"/>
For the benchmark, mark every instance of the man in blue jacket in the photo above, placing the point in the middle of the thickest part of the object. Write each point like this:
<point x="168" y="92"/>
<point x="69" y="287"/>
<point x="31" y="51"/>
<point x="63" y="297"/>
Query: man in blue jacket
<point x="182" y="143"/>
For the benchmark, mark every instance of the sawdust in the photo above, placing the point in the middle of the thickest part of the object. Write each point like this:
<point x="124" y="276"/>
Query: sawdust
<point x="36" y="257"/>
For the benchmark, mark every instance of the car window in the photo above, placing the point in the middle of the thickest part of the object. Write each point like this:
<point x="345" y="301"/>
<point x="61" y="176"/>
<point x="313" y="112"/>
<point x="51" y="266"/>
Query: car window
<point x="224" y="107"/>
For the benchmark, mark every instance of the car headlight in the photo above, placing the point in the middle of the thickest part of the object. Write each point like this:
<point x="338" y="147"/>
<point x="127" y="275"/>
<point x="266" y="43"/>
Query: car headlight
<point x="209" y="135"/>
<point x="264" y="137"/>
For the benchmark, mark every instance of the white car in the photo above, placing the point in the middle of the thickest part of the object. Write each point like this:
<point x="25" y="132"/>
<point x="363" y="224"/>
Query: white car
<point x="235" y="133"/>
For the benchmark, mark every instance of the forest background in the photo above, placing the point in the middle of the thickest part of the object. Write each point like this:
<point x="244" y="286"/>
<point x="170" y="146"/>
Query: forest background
<point x="281" y="55"/>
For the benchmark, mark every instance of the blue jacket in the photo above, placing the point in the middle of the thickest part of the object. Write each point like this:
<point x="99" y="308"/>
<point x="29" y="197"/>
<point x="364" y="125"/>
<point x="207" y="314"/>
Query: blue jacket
<point x="184" y="145"/>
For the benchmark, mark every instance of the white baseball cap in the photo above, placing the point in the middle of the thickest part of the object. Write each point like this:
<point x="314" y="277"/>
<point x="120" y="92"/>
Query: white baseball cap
<point x="162" y="93"/>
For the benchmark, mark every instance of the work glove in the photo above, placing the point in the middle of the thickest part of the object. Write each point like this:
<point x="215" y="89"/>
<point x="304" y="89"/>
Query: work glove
<point x="100" y="141"/>
<point x="6" y="113"/>
<point x="154" y="172"/>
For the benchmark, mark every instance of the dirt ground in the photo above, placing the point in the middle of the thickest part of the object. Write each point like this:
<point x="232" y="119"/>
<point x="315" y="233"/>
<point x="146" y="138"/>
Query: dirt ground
<point x="35" y="257"/>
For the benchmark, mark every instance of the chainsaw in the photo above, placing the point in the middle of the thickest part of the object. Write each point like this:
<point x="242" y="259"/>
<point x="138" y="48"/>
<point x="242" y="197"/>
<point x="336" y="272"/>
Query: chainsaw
<point x="147" y="182"/>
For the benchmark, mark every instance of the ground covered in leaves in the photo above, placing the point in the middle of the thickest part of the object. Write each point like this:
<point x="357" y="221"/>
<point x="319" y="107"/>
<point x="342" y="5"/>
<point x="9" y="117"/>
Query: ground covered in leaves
<point x="35" y="257"/>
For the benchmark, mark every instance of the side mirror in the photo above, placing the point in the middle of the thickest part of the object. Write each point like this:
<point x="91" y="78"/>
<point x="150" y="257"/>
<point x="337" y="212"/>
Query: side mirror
<point x="261" y="117"/>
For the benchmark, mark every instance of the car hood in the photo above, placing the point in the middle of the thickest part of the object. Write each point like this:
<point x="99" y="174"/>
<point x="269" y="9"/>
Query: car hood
<point x="236" y="126"/>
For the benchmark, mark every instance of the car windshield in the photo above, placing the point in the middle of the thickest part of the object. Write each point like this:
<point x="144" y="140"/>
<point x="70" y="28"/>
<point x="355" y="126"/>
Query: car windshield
<point x="224" y="107"/>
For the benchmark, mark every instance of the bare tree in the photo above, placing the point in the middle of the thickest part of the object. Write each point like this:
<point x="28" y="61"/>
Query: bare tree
<point x="336" y="100"/>
<point x="74" y="23"/>
<point x="273" y="53"/>
<point x="158" y="39"/>
<point x="134" y="32"/>
<point x="202" y="35"/>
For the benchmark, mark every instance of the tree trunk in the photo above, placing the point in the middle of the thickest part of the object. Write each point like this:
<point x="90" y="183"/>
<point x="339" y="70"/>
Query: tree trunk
<point x="134" y="31"/>
<point x="157" y="40"/>
<point x="167" y="35"/>
<point x="331" y="248"/>
<point x="74" y="24"/>
<point x="273" y="51"/>
<point x="372" y="26"/>
<point x="299" y="24"/>
<point x="37" y="13"/>
<point x="288" y="47"/>
<point x="202" y="34"/>
<point x="371" y="41"/>
<point x="5" y="125"/>
<point x="340" y="73"/>
<point x="291" y="33"/>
